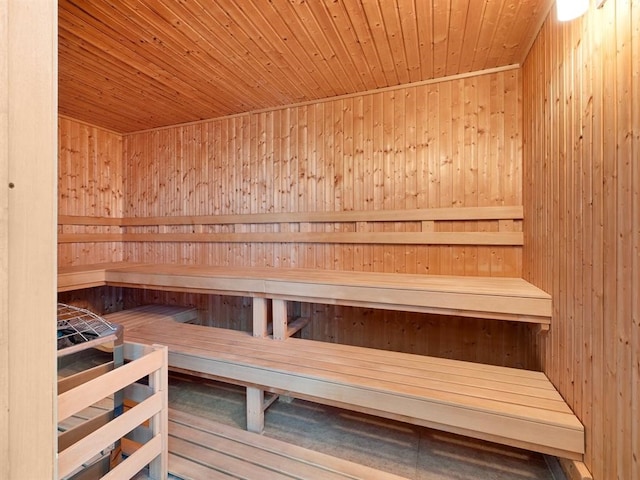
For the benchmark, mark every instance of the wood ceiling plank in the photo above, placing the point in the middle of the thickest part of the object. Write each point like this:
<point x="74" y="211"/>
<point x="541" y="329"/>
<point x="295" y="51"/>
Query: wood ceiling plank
<point x="253" y="18"/>
<point x="457" y="29"/>
<point x="244" y="45"/>
<point x="264" y="57"/>
<point x="441" y="27"/>
<point x="165" y="62"/>
<point x="395" y="39"/>
<point x="502" y="39"/>
<point x="424" y="21"/>
<point x="378" y="32"/>
<point x="344" y="52"/>
<point x="407" y="12"/>
<point x="472" y="29"/>
<point x="171" y="51"/>
<point x="99" y="45"/>
<point x="364" y="49"/>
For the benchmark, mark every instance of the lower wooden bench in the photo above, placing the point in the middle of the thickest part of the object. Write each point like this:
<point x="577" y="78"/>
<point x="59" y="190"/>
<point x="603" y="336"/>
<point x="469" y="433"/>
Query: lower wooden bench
<point x="504" y="405"/>
<point x="200" y="448"/>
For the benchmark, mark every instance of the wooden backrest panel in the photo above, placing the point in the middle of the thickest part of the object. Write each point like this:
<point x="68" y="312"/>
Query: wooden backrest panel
<point x="483" y="226"/>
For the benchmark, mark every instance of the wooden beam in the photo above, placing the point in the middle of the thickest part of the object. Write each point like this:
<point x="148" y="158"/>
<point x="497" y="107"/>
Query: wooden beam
<point x="28" y="156"/>
<point x="380" y="238"/>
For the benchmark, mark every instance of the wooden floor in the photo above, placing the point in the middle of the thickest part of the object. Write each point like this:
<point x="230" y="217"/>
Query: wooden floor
<point x="202" y="449"/>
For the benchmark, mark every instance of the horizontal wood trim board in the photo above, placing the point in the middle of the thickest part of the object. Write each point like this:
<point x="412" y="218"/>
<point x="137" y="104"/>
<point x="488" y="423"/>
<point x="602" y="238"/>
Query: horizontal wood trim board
<point x="386" y="238"/>
<point x="424" y="214"/>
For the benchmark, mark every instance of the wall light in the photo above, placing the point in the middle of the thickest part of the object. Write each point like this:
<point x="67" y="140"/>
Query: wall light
<point x="570" y="9"/>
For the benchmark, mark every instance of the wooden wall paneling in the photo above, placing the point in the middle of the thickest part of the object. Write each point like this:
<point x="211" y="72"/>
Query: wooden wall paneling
<point x="433" y="180"/>
<point x="624" y="233"/>
<point x="338" y="162"/>
<point x="306" y="195"/>
<point x="635" y="268"/>
<point x="329" y="174"/>
<point x="445" y="165"/>
<point x="358" y="172"/>
<point x="89" y="183"/>
<point x="498" y="164"/>
<point x="609" y="140"/>
<point x="319" y="172"/>
<point x="288" y="181"/>
<point x="400" y="155"/>
<point x="585" y="347"/>
<point x="421" y="174"/>
<point x="348" y="180"/>
<point x="581" y="273"/>
<point x="361" y="152"/>
<point x="470" y="166"/>
<point x="256" y="175"/>
<point x="513" y="159"/>
<point x="368" y="172"/>
<point x="411" y="174"/>
<point x="388" y="117"/>
<point x="378" y="171"/>
<point x="482" y="152"/>
<point x="457" y="168"/>
<point x="595" y="447"/>
<point x="581" y="120"/>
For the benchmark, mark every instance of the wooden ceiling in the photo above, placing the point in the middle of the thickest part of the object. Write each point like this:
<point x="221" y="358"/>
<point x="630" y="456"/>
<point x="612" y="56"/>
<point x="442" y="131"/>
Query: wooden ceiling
<point x="134" y="65"/>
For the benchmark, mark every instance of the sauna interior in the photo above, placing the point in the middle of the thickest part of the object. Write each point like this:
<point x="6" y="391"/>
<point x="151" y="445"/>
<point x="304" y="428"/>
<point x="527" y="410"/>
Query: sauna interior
<point x="448" y="182"/>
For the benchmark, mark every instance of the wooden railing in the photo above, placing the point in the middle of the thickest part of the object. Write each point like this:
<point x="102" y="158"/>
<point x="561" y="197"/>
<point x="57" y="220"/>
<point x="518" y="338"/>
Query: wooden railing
<point x="92" y="438"/>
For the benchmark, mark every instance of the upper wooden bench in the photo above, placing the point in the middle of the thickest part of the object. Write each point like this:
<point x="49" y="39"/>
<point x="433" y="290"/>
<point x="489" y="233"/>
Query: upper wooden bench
<point x="485" y="297"/>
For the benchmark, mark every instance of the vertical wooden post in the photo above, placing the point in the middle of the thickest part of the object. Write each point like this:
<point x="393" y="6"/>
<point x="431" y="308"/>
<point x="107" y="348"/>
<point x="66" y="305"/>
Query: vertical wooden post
<point x="28" y="159"/>
<point x="159" y="382"/>
<point x="279" y="319"/>
<point x="255" y="410"/>
<point x="259" y="317"/>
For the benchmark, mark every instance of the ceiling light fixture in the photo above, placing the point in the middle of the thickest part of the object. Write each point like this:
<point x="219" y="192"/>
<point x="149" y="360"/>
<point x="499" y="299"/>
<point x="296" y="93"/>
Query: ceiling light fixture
<point x="570" y="9"/>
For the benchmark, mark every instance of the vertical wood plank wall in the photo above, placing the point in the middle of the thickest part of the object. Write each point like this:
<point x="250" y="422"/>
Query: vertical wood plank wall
<point x="446" y="144"/>
<point x="90" y="183"/>
<point x="451" y="143"/>
<point x="581" y="90"/>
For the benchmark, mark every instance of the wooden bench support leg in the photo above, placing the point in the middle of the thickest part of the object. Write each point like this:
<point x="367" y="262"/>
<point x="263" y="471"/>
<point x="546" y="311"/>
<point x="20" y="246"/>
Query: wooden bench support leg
<point x="255" y="409"/>
<point x="279" y="319"/>
<point x="259" y="317"/>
